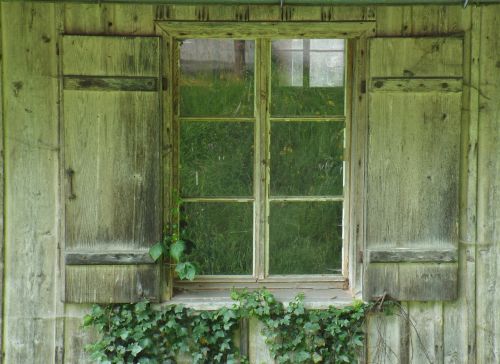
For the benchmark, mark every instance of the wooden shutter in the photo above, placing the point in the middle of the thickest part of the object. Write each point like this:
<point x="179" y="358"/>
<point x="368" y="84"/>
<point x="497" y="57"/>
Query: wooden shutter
<point x="111" y="138"/>
<point x="413" y="168"/>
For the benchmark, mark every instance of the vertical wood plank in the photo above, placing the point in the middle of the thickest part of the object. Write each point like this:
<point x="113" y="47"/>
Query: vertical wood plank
<point x="426" y="332"/>
<point x="2" y="175"/>
<point x="31" y="172"/>
<point x="488" y="199"/>
<point x="59" y="282"/>
<point x="359" y="141"/>
<point x="459" y="316"/>
<point x="257" y="349"/>
<point x="387" y="338"/>
<point x="126" y="19"/>
<point x="76" y="337"/>
<point x="390" y="20"/>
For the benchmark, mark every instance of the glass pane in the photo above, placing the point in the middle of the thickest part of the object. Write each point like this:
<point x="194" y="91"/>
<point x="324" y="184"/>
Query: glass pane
<point x="216" y="159"/>
<point x="306" y="158"/>
<point x="305" y="238"/>
<point x="307" y="77"/>
<point x="217" y="77"/>
<point x="222" y="234"/>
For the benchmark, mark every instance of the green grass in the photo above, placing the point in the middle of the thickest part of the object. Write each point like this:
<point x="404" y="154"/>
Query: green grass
<point x="217" y="159"/>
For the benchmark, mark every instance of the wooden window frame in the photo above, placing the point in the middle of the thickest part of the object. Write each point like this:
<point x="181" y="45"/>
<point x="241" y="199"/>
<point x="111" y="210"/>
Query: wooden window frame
<point x="355" y="34"/>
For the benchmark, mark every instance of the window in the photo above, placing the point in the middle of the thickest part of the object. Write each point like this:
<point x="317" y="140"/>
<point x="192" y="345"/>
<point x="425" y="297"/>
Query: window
<point x="260" y="134"/>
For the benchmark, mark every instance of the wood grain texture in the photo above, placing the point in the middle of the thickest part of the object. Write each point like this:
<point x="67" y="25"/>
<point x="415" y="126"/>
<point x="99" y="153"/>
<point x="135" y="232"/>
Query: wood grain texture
<point x="112" y="148"/>
<point x="458" y="335"/>
<point x="416" y="57"/>
<point x="111" y="283"/>
<point x="111" y="56"/>
<point x="412" y="281"/>
<point x="92" y="258"/>
<point x="488" y="195"/>
<point x="102" y="83"/>
<point x="358" y="159"/>
<point x="459" y="322"/>
<point x="75" y="337"/>
<point x="262" y="13"/>
<point x="426" y="332"/>
<point x="348" y="29"/>
<point x="387" y="339"/>
<point x="112" y="144"/>
<point x="2" y="179"/>
<point x="413" y="169"/>
<point x="413" y="172"/>
<point x="31" y="181"/>
<point x="413" y="255"/>
<point x="116" y="19"/>
<point x="416" y="85"/>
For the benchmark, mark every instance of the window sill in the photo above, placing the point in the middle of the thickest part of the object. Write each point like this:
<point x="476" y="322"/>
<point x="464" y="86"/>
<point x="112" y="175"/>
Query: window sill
<point x="215" y="299"/>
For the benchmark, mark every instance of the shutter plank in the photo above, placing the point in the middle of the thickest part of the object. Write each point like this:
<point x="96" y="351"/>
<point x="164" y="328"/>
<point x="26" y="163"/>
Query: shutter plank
<point x="112" y="145"/>
<point x="111" y="56"/>
<point x="106" y="83"/>
<point x="113" y="206"/>
<point x="416" y="57"/>
<point x="111" y="283"/>
<point x="413" y="168"/>
<point x="83" y="258"/>
<point x="412" y="281"/>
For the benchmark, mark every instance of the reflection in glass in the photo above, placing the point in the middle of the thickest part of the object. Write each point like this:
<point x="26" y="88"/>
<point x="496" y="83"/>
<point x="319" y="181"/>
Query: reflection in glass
<point x="307" y="77"/>
<point x="216" y="159"/>
<point x="305" y="238"/>
<point x="217" y="77"/>
<point x="307" y="158"/>
<point x="222" y="234"/>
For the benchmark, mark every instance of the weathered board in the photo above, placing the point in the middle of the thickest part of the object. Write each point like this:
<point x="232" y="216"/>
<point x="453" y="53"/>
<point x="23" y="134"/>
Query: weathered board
<point x="112" y="163"/>
<point x="29" y="91"/>
<point x="488" y="193"/>
<point x="413" y="168"/>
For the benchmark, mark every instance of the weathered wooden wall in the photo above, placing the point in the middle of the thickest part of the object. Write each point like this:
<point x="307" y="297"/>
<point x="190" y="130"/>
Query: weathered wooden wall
<point x="38" y="328"/>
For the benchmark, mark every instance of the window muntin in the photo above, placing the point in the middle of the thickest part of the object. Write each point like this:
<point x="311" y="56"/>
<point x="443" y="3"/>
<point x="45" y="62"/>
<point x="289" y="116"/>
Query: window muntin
<point x="298" y="168"/>
<point x="307" y="77"/>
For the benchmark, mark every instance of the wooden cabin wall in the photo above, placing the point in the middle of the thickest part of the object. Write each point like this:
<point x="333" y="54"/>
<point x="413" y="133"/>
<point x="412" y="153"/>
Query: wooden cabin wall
<point x="38" y="328"/>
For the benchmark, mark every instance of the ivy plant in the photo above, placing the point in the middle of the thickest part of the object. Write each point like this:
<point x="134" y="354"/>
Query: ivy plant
<point x="146" y="333"/>
<point x="174" y="246"/>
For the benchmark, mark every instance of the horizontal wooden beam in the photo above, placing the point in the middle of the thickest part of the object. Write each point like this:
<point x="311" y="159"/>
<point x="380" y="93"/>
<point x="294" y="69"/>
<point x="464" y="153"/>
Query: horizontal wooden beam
<point x="276" y="2"/>
<point x="222" y="119"/>
<point x="407" y="255"/>
<point x="416" y="85"/>
<point x="252" y="30"/>
<point x="318" y="119"/>
<point x="109" y="258"/>
<point x="106" y="83"/>
<point x="411" y="281"/>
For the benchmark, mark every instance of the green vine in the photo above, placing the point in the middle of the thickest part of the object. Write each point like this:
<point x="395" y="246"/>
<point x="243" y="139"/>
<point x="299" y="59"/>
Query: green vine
<point x="146" y="333"/>
<point x="174" y="245"/>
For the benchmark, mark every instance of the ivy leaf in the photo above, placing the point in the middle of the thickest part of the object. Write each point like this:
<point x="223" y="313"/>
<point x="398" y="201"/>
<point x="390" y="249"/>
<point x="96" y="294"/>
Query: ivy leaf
<point x="186" y="271"/>
<point x="135" y="349"/>
<point x="344" y="358"/>
<point x="156" y="251"/>
<point x="88" y="320"/>
<point x="177" y="249"/>
<point x="302" y="356"/>
<point x="317" y="358"/>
